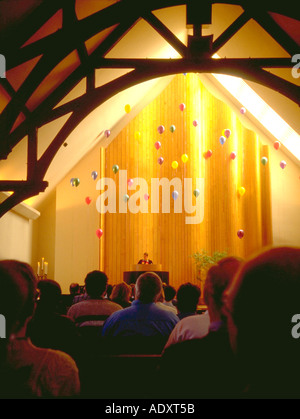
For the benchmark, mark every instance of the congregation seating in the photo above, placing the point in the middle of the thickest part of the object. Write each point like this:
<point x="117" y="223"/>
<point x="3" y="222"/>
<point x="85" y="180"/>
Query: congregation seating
<point x="124" y="376"/>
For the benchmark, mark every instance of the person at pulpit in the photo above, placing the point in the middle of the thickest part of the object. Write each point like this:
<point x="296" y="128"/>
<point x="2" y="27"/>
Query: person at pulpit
<point x="145" y="260"/>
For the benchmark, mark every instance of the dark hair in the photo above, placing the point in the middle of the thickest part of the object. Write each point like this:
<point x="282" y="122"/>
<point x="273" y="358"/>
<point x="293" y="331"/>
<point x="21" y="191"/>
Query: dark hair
<point x="95" y="283"/>
<point x="218" y="278"/>
<point x="170" y="292"/>
<point x="109" y="289"/>
<point x="261" y="300"/>
<point x="188" y="297"/>
<point x="121" y="292"/>
<point x="18" y="293"/>
<point x="74" y="288"/>
<point x="148" y="287"/>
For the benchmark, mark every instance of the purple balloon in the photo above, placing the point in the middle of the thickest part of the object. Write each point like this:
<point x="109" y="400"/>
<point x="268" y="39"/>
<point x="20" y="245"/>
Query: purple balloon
<point x="160" y="160"/>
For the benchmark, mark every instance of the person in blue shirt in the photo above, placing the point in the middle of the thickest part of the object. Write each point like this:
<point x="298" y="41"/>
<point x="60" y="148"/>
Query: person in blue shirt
<point x="144" y="322"/>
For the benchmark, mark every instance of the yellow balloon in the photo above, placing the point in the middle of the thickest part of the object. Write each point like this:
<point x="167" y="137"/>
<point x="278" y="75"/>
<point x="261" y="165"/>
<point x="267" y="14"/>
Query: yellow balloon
<point x="174" y="164"/>
<point x="242" y="190"/>
<point x="184" y="158"/>
<point x="127" y="108"/>
<point x="137" y="135"/>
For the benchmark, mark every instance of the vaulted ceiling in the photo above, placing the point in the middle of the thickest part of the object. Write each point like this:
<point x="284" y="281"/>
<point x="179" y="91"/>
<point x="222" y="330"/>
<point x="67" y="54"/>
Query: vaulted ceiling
<point x="72" y="65"/>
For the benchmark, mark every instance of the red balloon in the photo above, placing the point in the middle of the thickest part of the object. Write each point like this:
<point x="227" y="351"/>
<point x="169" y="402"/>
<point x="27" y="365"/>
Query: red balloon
<point x="233" y="155"/>
<point x="88" y="200"/>
<point x="99" y="233"/>
<point x="208" y="154"/>
<point x="240" y="234"/>
<point x="276" y="145"/>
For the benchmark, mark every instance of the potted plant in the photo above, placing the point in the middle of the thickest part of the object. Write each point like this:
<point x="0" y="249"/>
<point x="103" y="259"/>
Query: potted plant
<point x="203" y="262"/>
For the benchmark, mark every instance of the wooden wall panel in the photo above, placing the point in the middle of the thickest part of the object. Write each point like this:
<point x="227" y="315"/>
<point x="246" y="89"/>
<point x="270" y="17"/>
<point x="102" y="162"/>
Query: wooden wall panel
<point x="167" y="237"/>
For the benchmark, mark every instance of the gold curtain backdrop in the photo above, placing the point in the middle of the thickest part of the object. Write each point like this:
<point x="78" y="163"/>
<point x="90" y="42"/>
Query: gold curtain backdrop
<point x="168" y="239"/>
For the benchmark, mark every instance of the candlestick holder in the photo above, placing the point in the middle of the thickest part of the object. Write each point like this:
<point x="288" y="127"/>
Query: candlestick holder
<point x="42" y="269"/>
<point x="43" y="276"/>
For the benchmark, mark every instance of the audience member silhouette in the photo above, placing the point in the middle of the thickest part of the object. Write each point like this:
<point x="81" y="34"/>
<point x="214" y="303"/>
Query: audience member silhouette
<point x="161" y="303"/>
<point x="28" y="371"/>
<point x="95" y="310"/>
<point x="260" y="306"/>
<point x="170" y="294"/>
<point x="187" y="300"/>
<point x="205" y="368"/>
<point x="121" y="294"/>
<point x="109" y="289"/>
<point x="142" y="320"/>
<point x="48" y="328"/>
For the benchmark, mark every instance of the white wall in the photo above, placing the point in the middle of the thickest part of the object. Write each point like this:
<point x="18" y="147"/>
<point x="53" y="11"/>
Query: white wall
<point x="16" y="237"/>
<point x="76" y="244"/>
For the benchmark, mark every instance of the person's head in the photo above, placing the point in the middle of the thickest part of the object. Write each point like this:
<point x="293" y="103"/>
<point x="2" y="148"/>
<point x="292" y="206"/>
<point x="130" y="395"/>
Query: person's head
<point x="95" y="284"/>
<point x="260" y="304"/>
<point x="188" y="298"/>
<point x="148" y="287"/>
<point x="18" y="294"/>
<point x="50" y="292"/>
<point x="217" y="280"/>
<point x="121" y="292"/>
<point x="170" y="293"/>
<point x="74" y="289"/>
<point x="109" y="289"/>
<point x="146" y="256"/>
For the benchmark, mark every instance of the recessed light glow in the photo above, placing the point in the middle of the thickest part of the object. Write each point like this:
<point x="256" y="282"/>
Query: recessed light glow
<point x="261" y="111"/>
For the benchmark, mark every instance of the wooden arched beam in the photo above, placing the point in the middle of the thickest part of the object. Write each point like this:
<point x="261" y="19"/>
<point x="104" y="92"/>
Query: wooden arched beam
<point x="144" y="70"/>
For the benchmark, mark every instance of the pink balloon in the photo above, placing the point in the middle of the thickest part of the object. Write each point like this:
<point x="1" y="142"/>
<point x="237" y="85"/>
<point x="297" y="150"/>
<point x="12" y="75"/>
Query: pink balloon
<point x="99" y="233"/>
<point x="240" y="234"/>
<point x="157" y="145"/>
<point x="107" y="133"/>
<point x="282" y="164"/>
<point x="227" y="133"/>
<point x="146" y="196"/>
<point x="233" y="155"/>
<point x="161" y="129"/>
<point x="182" y="106"/>
<point x="243" y="111"/>
<point x="195" y="123"/>
<point x="88" y="200"/>
<point x="130" y="182"/>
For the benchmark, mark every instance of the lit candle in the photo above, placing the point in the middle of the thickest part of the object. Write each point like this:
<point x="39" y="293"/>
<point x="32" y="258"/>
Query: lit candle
<point x="38" y="268"/>
<point x="42" y="263"/>
<point x="45" y="268"/>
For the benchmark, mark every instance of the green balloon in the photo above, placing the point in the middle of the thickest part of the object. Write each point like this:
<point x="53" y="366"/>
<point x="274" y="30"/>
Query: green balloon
<point x="196" y="193"/>
<point x="76" y="181"/>
<point x="264" y="160"/>
<point x="115" y="168"/>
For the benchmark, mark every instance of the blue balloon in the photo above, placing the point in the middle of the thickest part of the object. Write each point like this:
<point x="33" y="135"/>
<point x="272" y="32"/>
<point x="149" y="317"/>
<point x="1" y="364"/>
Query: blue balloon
<point x="175" y="195"/>
<point x="222" y="140"/>
<point x="94" y="175"/>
